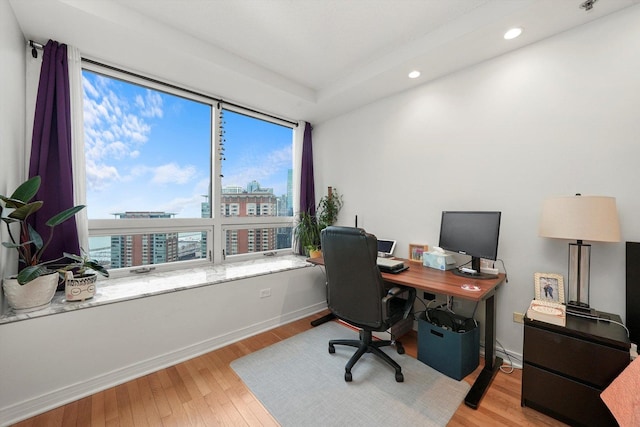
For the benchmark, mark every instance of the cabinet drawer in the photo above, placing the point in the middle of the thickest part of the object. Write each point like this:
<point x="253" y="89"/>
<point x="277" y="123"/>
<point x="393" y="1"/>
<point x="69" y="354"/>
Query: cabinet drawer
<point x="564" y="399"/>
<point x="589" y="362"/>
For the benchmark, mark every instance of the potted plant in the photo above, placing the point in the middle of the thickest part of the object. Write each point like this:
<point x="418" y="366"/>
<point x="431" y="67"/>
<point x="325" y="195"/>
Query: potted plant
<point x="307" y="232"/>
<point x="307" y="229"/>
<point x="80" y="281"/>
<point x="34" y="286"/>
<point x="328" y="208"/>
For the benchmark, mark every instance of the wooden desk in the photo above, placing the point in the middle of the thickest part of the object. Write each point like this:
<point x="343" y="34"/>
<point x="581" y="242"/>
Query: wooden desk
<point x="446" y="283"/>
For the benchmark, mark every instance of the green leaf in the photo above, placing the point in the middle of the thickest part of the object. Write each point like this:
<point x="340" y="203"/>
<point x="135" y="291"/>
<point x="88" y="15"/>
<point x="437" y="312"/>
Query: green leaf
<point x="35" y="238"/>
<point x="27" y="190"/>
<point x="64" y="215"/>
<point x="12" y="203"/>
<point x="93" y="265"/>
<point x="21" y="213"/>
<point x="73" y="257"/>
<point x="30" y="273"/>
<point x="12" y="245"/>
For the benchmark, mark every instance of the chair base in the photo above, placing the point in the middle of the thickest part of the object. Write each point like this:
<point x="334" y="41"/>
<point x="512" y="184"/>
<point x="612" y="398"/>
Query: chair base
<point x="366" y="344"/>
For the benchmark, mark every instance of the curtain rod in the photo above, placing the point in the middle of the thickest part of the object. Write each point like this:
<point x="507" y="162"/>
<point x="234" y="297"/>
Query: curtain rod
<point x="35" y="45"/>
<point x="34" y="48"/>
<point x="192" y="92"/>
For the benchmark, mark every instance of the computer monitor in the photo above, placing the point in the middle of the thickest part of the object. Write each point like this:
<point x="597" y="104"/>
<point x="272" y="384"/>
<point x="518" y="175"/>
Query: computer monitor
<point x="471" y="233"/>
<point x="386" y="247"/>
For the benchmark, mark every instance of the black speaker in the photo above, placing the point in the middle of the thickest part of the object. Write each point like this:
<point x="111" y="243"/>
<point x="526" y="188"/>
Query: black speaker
<point x="633" y="291"/>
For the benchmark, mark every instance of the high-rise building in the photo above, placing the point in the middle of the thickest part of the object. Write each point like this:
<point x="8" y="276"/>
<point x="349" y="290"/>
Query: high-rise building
<point x="205" y="212"/>
<point x="289" y="192"/>
<point x="254" y="201"/>
<point x="143" y="249"/>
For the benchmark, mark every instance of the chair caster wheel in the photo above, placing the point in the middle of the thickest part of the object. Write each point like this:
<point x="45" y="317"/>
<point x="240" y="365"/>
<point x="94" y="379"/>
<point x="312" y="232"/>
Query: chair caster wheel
<point x="348" y="378"/>
<point x="400" y="349"/>
<point x="332" y="349"/>
<point x="399" y="377"/>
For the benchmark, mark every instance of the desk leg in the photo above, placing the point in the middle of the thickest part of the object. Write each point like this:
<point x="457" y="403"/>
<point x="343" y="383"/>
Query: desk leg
<point x="324" y="319"/>
<point x="491" y="362"/>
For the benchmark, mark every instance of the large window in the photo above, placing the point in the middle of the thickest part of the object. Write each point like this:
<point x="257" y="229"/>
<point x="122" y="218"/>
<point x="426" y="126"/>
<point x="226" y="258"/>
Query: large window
<point x="176" y="177"/>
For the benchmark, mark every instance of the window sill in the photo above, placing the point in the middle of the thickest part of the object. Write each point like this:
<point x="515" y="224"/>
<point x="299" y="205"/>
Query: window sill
<point x="141" y="286"/>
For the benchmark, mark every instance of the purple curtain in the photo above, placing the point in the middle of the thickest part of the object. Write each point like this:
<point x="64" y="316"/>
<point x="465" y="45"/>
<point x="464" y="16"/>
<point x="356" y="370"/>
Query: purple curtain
<point x="307" y="187"/>
<point x="51" y="151"/>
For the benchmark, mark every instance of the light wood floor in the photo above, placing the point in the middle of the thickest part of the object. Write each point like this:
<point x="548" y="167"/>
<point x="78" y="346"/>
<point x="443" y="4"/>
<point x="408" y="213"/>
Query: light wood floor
<point x="205" y="391"/>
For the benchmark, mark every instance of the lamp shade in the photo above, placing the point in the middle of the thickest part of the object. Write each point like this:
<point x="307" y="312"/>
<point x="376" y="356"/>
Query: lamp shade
<point x="591" y="218"/>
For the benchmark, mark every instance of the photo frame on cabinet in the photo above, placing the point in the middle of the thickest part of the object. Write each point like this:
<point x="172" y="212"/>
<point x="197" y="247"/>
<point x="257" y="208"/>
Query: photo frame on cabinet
<point x="549" y="287"/>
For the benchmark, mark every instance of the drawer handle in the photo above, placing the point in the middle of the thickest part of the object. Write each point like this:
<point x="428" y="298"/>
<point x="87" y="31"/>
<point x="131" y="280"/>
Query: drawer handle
<point x="436" y="333"/>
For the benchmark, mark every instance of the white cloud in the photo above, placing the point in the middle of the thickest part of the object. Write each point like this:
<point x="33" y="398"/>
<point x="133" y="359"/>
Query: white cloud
<point x="151" y="105"/>
<point x="262" y="170"/>
<point x="99" y="176"/>
<point x="180" y="204"/>
<point x="114" y="128"/>
<point x="173" y="173"/>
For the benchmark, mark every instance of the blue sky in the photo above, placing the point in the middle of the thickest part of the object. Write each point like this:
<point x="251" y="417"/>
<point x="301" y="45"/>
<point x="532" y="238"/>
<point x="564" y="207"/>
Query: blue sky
<point x="148" y="150"/>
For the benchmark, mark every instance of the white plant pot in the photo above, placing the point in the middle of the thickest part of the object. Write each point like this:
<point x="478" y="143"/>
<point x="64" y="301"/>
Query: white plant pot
<point x="32" y="296"/>
<point x="79" y="288"/>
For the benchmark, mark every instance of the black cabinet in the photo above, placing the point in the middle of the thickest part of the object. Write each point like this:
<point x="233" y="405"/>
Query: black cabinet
<point x="566" y="368"/>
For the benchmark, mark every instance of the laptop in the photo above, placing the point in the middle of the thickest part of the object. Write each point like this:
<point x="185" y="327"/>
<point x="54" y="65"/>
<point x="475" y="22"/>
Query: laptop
<point x="386" y="247"/>
<point x="388" y="265"/>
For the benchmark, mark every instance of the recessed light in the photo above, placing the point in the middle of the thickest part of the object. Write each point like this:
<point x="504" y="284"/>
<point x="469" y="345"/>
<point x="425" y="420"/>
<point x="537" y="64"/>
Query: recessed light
<point x="414" y="74"/>
<point x="512" y="33"/>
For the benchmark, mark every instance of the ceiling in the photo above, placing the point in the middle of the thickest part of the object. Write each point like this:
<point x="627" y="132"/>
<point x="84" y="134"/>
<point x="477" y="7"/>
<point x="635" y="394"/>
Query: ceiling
<point x="299" y="59"/>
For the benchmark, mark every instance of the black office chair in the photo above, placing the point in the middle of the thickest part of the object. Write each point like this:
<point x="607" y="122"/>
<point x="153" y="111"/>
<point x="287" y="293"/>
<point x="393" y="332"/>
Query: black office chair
<point x="357" y="293"/>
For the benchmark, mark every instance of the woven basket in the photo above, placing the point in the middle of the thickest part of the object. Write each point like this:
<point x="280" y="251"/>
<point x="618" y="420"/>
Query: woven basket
<point x="32" y="296"/>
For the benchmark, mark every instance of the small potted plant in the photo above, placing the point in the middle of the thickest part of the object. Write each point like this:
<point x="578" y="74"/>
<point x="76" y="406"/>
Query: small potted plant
<point x="80" y="281"/>
<point x="36" y="283"/>
<point x="307" y="232"/>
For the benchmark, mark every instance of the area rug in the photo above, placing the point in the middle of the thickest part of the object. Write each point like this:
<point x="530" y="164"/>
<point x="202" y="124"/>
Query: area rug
<point x="301" y="384"/>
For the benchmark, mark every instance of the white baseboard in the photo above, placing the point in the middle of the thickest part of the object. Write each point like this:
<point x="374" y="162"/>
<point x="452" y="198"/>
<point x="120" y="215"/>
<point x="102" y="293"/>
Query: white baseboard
<point x="37" y="405"/>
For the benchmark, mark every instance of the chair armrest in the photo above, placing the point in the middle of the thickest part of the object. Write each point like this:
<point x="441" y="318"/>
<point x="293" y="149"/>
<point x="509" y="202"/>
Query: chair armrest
<point x="396" y="290"/>
<point x="394" y="293"/>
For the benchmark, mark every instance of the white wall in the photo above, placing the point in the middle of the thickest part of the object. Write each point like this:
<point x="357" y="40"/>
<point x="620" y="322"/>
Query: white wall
<point x="555" y="118"/>
<point x="12" y="121"/>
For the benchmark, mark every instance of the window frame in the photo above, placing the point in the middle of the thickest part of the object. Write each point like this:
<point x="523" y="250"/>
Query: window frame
<point x="218" y="224"/>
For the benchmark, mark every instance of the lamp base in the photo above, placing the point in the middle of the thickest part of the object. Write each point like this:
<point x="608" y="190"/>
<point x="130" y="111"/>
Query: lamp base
<point x="580" y="308"/>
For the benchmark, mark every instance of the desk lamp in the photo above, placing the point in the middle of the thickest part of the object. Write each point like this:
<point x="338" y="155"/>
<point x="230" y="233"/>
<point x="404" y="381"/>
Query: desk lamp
<point x="592" y="218"/>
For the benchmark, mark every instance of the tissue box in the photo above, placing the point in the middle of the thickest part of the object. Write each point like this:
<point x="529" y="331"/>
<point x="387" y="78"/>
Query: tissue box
<point x="438" y="260"/>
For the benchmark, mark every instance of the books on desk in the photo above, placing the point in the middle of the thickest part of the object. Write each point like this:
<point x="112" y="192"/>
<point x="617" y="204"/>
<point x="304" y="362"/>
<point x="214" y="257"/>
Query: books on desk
<point x="548" y="311"/>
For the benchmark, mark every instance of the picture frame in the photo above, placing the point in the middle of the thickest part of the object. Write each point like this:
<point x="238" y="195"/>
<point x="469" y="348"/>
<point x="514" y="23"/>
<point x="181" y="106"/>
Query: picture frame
<point x="549" y="287"/>
<point x="416" y="251"/>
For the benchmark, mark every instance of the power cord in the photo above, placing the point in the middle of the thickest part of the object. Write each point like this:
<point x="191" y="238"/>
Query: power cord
<point x="604" y="319"/>
<point x="506" y="275"/>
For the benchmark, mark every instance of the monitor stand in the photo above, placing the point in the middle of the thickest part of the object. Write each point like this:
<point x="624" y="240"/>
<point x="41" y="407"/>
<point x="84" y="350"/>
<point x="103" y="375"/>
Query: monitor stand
<point x="477" y="275"/>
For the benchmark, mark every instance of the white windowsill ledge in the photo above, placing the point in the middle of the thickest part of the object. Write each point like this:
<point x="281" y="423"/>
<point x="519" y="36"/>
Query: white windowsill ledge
<point x="140" y="286"/>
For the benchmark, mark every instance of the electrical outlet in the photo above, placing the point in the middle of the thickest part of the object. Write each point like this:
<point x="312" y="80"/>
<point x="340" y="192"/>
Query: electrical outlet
<point x="265" y="293"/>
<point x="518" y="317"/>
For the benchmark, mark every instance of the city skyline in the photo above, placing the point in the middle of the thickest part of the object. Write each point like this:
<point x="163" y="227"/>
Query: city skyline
<point x="119" y="251"/>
